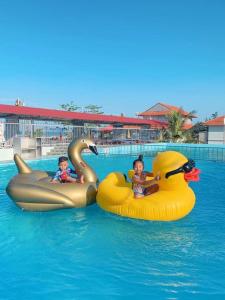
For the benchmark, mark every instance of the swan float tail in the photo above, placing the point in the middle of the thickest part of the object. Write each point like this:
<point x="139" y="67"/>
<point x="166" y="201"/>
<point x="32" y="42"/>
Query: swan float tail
<point x="22" y="167"/>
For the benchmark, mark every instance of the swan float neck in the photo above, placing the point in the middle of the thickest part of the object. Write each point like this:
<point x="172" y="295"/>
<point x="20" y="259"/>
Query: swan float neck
<point x="74" y="152"/>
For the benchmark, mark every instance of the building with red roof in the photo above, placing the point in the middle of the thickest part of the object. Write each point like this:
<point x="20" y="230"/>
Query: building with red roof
<point x="160" y="111"/>
<point x="219" y="121"/>
<point x="216" y="130"/>
<point x="26" y="121"/>
<point x="15" y="113"/>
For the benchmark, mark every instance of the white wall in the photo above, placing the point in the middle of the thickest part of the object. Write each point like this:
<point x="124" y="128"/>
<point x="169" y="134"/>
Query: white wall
<point x="157" y="118"/>
<point x="203" y="137"/>
<point x="216" y="134"/>
<point x="6" y="154"/>
<point x="46" y="149"/>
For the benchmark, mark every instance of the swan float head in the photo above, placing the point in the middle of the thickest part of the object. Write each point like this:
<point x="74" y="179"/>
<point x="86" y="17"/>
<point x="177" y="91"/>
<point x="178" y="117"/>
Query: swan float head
<point x="88" y="143"/>
<point x="74" y="152"/>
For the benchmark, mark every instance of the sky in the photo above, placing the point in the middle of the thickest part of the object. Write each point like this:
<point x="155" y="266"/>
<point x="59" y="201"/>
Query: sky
<point x="123" y="55"/>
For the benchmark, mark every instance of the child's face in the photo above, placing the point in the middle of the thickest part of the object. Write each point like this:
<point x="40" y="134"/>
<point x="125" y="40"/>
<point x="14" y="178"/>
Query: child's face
<point x="138" y="167"/>
<point x="63" y="165"/>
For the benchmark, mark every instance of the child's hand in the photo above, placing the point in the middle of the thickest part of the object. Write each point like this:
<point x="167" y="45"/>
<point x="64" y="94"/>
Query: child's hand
<point x="82" y="179"/>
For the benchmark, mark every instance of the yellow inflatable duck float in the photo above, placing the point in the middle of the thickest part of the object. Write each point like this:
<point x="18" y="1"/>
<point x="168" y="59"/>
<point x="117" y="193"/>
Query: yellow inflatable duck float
<point x="174" y="199"/>
<point x="32" y="190"/>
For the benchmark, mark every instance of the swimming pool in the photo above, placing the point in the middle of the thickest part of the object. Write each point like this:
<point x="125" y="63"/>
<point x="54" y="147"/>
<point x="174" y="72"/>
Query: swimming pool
<point x="90" y="254"/>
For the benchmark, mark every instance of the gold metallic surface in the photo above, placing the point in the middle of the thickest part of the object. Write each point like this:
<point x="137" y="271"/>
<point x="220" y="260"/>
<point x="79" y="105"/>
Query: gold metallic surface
<point x="33" y="190"/>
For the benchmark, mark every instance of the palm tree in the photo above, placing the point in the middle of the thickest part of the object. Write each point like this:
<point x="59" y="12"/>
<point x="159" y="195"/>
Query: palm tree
<point x="176" y="123"/>
<point x="214" y="115"/>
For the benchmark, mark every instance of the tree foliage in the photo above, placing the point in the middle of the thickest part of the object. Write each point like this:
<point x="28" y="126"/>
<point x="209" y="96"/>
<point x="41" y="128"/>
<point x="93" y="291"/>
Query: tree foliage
<point x="175" y="131"/>
<point x="71" y="106"/>
<point x="93" y="109"/>
<point x="175" y="125"/>
<point x="213" y="116"/>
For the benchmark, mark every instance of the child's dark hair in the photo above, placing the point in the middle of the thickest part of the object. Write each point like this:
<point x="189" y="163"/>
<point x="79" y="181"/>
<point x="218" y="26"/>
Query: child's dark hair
<point x="62" y="159"/>
<point x="140" y="158"/>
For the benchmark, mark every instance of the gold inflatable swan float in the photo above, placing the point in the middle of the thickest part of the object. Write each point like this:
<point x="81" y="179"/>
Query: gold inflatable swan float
<point x="32" y="190"/>
<point x="174" y="199"/>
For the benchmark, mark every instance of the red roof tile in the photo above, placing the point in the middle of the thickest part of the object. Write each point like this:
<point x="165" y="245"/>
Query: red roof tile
<point x="215" y="122"/>
<point x="155" y="113"/>
<point x="54" y="114"/>
<point x="168" y="110"/>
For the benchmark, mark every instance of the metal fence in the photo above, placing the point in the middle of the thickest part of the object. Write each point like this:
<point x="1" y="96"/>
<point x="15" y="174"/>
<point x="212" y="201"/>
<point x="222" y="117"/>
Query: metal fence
<point x="53" y="134"/>
<point x="203" y="152"/>
<point x="194" y="151"/>
<point x="118" y="141"/>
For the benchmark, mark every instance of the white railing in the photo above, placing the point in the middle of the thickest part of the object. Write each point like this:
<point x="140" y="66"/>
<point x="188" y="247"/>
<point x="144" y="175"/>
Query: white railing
<point x="52" y="134"/>
<point x="115" y="141"/>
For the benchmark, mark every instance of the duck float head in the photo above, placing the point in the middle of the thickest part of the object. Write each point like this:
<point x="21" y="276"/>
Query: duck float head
<point x="175" y="170"/>
<point x="32" y="190"/>
<point x="174" y="199"/>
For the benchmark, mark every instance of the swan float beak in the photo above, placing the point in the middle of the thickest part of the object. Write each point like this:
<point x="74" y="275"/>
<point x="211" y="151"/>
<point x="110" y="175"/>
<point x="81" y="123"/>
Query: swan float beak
<point x="93" y="149"/>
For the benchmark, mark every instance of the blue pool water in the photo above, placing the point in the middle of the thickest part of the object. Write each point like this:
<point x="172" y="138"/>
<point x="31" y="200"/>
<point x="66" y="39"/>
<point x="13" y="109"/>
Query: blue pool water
<point x="90" y="254"/>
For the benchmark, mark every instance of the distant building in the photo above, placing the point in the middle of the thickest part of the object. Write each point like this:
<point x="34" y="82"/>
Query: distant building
<point x="16" y="113"/>
<point x="2" y="138"/>
<point x="216" y="130"/>
<point x="160" y="111"/>
<point x="24" y="121"/>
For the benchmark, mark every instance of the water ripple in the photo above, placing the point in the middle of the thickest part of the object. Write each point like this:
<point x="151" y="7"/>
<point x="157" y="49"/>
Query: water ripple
<point x="88" y="253"/>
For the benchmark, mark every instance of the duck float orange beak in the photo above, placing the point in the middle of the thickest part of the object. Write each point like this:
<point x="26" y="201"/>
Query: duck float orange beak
<point x="193" y="175"/>
<point x="190" y="172"/>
